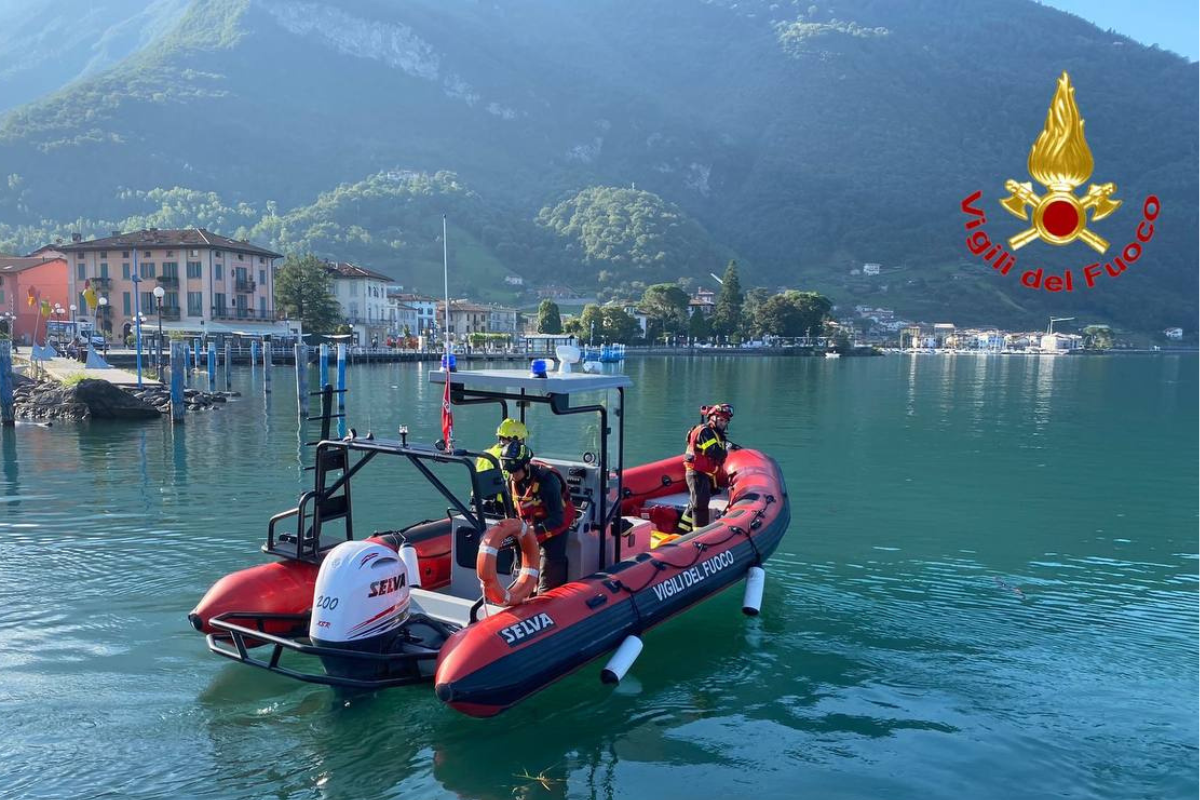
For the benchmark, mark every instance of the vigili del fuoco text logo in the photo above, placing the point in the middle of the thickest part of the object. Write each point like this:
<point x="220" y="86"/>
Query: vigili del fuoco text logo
<point x="1061" y="161"/>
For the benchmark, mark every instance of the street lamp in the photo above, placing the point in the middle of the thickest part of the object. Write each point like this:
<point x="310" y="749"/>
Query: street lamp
<point x="159" y="293"/>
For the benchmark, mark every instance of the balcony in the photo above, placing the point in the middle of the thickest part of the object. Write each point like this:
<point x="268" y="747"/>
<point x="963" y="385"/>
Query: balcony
<point x="104" y="310"/>
<point x="244" y="286"/>
<point x="100" y="284"/>
<point x="233" y="312"/>
<point x="169" y="312"/>
<point x="168" y="281"/>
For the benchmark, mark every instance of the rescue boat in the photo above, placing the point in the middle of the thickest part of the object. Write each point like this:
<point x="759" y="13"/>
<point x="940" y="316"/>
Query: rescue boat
<point x="411" y="605"/>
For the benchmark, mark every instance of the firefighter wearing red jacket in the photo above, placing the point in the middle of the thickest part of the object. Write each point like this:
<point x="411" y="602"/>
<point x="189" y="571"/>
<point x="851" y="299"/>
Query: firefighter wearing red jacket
<point x="542" y="500"/>
<point x="703" y="459"/>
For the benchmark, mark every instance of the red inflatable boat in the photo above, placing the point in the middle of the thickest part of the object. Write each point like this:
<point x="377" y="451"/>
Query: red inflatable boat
<point x="406" y="606"/>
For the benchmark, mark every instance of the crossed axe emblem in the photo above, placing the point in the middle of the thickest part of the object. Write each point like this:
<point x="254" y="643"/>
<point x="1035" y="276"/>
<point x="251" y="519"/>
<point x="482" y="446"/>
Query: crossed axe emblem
<point x="1059" y="217"/>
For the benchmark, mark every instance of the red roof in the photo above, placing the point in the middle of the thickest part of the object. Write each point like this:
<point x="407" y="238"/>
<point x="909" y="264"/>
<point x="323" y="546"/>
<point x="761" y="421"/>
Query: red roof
<point x="344" y="269"/>
<point x="153" y="237"/>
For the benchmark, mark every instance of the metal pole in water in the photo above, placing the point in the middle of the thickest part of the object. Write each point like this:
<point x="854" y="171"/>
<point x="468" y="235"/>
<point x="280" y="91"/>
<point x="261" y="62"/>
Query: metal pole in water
<point x="253" y="352"/>
<point x="341" y="387"/>
<point x="7" y="408"/>
<point x="179" y="353"/>
<point x="302" y="380"/>
<point x="323" y="362"/>
<point x="195" y="354"/>
<point x="212" y="366"/>
<point x="266" y="365"/>
<point x="228" y="359"/>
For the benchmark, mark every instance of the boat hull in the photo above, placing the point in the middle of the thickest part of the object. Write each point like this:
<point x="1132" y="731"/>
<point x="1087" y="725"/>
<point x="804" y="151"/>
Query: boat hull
<point x="497" y="662"/>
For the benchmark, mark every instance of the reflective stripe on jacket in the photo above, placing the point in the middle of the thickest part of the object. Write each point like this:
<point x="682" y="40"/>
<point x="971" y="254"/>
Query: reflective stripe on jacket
<point x="531" y="505"/>
<point x="705" y="450"/>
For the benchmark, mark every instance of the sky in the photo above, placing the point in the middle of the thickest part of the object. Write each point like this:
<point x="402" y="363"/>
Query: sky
<point x="1171" y="24"/>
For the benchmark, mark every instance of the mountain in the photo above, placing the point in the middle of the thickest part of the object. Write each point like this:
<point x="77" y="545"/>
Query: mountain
<point x="626" y="141"/>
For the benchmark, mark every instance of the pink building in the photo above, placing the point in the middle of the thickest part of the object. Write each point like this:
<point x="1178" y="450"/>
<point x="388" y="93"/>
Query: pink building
<point x="47" y="277"/>
<point x="211" y="284"/>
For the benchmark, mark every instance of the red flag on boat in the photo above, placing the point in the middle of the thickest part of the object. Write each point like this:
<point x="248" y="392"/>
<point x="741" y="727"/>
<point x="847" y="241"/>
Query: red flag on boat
<point x="447" y="415"/>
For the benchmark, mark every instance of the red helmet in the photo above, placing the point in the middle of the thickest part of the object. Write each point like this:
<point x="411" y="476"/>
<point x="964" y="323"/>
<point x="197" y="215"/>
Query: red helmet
<point x="722" y="410"/>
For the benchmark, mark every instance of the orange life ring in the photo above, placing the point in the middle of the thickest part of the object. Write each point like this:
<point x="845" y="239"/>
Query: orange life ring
<point x="485" y="563"/>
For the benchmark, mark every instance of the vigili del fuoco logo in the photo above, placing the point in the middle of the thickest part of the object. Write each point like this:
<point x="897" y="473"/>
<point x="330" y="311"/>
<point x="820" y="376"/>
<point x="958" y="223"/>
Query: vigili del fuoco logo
<point x="1061" y="161"/>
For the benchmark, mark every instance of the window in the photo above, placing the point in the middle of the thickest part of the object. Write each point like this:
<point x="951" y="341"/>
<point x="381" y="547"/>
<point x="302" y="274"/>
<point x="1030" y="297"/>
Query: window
<point x="147" y="302"/>
<point x="171" y="300"/>
<point x="241" y="256"/>
<point x="104" y="254"/>
<point x="82" y="301"/>
<point x="193" y="253"/>
<point x="81" y="272"/>
<point x="126" y="307"/>
<point x="79" y="256"/>
<point x="219" y="302"/>
<point x="147" y="254"/>
<point x="148" y="270"/>
<point x="193" y="269"/>
<point x="124" y="254"/>
<point x="2" y="297"/>
<point x="170" y="269"/>
<point x="218" y="272"/>
<point x="216" y="254"/>
<point x="262" y="305"/>
<point x="125" y="271"/>
<point x="262" y="277"/>
<point x="262" y="259"/>
<point x="103" y="269"/>
<point x="195" y="304"/>
<point x="170" y="253"/>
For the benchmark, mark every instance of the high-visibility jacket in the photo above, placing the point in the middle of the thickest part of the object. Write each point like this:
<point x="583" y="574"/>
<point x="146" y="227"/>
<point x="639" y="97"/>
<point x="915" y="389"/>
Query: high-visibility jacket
<point x="705" y="450"/>
<point x="540" y="502"/>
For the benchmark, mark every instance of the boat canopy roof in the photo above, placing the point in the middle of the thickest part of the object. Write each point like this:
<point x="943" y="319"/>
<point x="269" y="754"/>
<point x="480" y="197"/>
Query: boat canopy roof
<point x="507" y="380"/>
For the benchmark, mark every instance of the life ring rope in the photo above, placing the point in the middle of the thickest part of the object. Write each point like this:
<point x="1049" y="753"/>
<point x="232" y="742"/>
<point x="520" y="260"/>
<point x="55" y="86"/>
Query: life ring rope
<point x="485" y="563"/>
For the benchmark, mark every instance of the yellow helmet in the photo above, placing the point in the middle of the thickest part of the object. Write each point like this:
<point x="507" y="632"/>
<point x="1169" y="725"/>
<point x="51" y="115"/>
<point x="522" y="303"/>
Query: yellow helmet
<point x="513" y="429"/>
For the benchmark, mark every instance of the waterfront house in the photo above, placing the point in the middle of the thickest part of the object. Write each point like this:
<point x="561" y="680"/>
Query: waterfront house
<point x="465" y="318"/>
<point x="502" y="319"/>
<point x="943" y="332"/>
<point x="1173" y="333"/>
<point x="871" y="269"/>
<point x="703" y="301"/>
<point x="363" y="297"/>
<point x="1060" y="342"/>
<point x="426" y="308"/>
<point x="46" y="277"/>
<point x="212" y="284"/>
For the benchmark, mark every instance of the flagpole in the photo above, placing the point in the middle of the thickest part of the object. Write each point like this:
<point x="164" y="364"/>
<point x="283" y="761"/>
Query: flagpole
<point x="446" y="278"/>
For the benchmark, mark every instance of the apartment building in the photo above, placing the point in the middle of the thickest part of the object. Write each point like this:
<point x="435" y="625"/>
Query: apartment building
<point x="212" y="284"/>
<point x="363" y="296"/>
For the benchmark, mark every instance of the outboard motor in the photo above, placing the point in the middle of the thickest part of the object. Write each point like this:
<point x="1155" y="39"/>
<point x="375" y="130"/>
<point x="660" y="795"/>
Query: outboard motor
<point x="360" y="604"/>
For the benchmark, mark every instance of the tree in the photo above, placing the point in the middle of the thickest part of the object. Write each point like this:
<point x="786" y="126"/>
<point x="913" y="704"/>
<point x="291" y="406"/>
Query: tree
<point x="303" y="290"/>
<point x="619" y="326"/>
<point x="1098" y="337"/>
<point x="750" y="310"/>
<point x="699" y="328"/>
<point x="793" y="313"/>
<point x="727" y="316"/>
<point x="591" y="323"/>
<point x="549" y="320"/>
<point x="666" y="304"/>
<point x="573" y="326"/>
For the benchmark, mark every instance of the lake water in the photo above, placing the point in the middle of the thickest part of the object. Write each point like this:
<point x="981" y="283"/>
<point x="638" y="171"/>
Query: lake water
<point x="989" y="590"/>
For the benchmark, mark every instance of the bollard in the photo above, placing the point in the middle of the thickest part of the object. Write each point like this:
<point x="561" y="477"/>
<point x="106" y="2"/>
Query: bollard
<point x="228" y="359"/>
<point x="266" y="365"/>
<point x="7" y="408"/>
<point x="179" y="355"/>
<point x="323" y="369"/>
<point x="253" y="353"/>
<point x="302" y="380"/>
<point x="211" y="360"/>
<point x="196" y="354"/>
<point x="341" y="387"/>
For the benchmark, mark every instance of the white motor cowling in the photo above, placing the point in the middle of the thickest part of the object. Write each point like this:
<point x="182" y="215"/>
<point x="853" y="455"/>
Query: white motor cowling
<point x="360" y="603"/>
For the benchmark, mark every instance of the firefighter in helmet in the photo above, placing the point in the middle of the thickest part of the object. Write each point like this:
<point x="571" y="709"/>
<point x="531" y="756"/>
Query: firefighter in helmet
<point x="510" y="430"/>
<point x="543" y="501"/>
<point x="703" y="459"/>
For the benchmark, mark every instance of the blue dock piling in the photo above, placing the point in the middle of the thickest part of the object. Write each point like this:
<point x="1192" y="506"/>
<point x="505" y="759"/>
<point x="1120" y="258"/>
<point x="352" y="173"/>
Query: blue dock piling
<point x="302" y="380"/>
<point x="211" y="361"/>
<point x="341" y="387"/>
<point x="228" y="361"/>
<point x="323" y="370"/>
<point x="266" y="365"/>
<point x="179" y="355"/>
<point x="7" y="408"/>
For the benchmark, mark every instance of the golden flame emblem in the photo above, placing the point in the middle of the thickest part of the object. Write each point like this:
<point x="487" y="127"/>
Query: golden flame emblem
<point x="1061" y="161"/>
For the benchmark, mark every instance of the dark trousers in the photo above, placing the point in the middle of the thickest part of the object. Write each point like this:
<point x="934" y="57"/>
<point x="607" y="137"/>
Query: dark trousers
<point x="553" y="567"/>
<point x="699" y="493"/>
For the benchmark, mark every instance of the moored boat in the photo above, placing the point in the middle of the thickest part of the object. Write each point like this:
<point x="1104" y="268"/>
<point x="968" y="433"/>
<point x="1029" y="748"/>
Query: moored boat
<point x="405" y="606"/>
